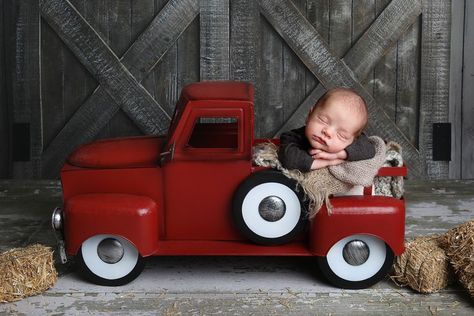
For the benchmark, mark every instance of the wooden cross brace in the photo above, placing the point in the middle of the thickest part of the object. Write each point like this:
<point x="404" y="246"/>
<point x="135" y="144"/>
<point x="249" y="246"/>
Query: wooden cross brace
<point x="119" y="78"/>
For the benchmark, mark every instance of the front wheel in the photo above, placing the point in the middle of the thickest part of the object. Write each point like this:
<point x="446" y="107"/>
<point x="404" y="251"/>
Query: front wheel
<point x="267" y="209"/>
<point x="356" y="262"/>
<point x="109" y="260"/>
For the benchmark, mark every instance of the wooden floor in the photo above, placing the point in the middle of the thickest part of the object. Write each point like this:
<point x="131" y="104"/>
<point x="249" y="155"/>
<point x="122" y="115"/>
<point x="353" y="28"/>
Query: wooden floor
<point x="231" y="285"/>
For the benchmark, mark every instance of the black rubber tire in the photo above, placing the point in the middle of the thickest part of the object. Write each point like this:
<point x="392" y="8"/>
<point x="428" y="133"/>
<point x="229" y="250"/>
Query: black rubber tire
<point x="94" y="278"/>
<point x="254" y="180"/>
<point x="362" y="284"/>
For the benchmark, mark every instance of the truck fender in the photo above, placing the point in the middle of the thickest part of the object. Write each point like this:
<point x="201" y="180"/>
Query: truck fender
<point x="379" y="216"/>
<point x="132" y="217"/>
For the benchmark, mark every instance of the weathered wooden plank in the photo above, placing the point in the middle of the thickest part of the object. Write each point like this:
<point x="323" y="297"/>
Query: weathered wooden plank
<point x="97" y="57"/>
<point x="269" y="113"/>
<point x="4" y="113"/>
<point x="468" y="97"/>
<point x="78" y="83"/>
<point x="389" y="26"/>
<point x="455" y="87"/>
<point x="140" y="59"/>
<point x="317" y="13"/>
<point x="367" y="50"/>
<point x="166" y="79"/>
<point x="434" y="79"/>
<point x="408" y="64"/>
<point x="384" y="86"/>
<point x="363" y="15"/>
<point x="119" y="38"/>
<point x="145" y="11"/>
<point x="294" y="75"/>
<point x="312" y="50"/>
<point x="244" y="43"/>
<point x="142" y="13"/>
<point x="188" y="55"/>
<point x="24" y="81"/>
<point x="214" y="22"/>
<point x="52" y="87"/>
<point x="340" y="27"/>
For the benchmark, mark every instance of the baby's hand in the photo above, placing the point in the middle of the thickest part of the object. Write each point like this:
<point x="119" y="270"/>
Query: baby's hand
<point x="322" y="163"/>
<point x="321" y="154"/>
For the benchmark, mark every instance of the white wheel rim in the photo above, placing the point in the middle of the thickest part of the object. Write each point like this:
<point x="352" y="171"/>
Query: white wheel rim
<point x="348" y="272"/>
<point x="264" y="228"/>
<point x="109" y="271"/>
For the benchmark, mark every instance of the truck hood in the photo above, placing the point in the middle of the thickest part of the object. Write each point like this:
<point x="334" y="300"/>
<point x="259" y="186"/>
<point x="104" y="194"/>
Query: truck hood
<point x="142" y="151"/>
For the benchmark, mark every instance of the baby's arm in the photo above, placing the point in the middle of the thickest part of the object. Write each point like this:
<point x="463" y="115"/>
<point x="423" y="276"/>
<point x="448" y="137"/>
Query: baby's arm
<point x="321" y="154"/>
<point x="321" y="163"/>
<point x="292" y="153"/>
<point x="360" y="149"/>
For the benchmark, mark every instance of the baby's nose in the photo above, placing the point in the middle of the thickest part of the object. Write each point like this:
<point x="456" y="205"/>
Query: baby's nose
<point x="327" y="133"/>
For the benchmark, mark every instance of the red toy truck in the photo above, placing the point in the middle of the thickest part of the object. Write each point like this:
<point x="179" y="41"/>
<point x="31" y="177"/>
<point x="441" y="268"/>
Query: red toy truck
<point x="196" y="191"/>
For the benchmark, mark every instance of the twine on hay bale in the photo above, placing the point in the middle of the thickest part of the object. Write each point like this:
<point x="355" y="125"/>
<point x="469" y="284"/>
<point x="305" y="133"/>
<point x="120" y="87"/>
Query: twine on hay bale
<point x="459" y="245"/>
<point x="423" y="266"/>
<point x="25" y="272"/>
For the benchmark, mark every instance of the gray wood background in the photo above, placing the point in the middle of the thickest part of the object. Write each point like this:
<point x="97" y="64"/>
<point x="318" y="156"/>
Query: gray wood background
<point x="79" y="70"/>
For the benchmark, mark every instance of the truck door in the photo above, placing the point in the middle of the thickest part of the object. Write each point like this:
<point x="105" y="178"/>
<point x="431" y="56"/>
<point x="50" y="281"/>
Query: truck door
<point x="212" y="156"/>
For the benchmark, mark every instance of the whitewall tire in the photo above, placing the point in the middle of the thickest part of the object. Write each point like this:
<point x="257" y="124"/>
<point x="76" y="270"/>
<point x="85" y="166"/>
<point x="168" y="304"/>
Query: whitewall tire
<point x="267" y="209"/>
<point x="357" y="261"/>
<point x="109" y="260"/>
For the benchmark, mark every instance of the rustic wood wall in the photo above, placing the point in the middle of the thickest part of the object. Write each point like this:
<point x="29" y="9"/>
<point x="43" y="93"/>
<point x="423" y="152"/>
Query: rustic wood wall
<point x="79" y="70"/>
<point x="4" y="130"/>
<point x="461" y="90"/>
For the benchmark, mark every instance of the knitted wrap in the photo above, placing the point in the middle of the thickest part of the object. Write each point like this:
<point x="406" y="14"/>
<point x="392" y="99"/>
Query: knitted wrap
<point x="319" y="184"/>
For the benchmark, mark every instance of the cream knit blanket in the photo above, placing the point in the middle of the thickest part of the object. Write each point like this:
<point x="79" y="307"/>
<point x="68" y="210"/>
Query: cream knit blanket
<point x="319" y="184"/>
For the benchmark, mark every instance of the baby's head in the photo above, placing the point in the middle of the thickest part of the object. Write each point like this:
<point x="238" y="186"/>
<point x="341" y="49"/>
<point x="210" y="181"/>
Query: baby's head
<point x="338" y="118"/>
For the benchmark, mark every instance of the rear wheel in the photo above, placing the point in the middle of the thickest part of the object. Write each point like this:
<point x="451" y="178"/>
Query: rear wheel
<point x="267" y="209"/>
<point x="357" y="262"/>
<point x="109" y="260"/>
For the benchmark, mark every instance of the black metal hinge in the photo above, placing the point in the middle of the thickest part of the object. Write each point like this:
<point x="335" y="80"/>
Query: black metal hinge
<point x="21" y="142"/>
<point x="442" y="142"/>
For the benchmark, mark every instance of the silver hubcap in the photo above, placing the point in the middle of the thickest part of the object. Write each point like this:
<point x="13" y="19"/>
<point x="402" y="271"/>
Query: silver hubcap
<point x="272" y="208"/>
<point x="356" y="252"/>
<point x="110" y="250"/>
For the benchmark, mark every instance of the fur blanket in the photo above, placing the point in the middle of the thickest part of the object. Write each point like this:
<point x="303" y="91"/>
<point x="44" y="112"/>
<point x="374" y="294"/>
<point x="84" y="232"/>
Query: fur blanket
<point x="319" y="184"/>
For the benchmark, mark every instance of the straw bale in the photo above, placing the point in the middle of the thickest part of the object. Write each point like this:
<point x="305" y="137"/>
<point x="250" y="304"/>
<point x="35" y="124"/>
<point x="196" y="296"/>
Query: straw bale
<point x="459" y="245"/>
<point x="26" y="271"/>
<point x="423" y="266"/>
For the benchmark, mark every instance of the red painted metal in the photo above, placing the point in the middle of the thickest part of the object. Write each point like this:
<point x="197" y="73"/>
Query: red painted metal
<point x="229" y="248"/>
<point x="380" y="216"/>
<point x="118" y="153"/>
<point x="172" y="194"/>
<point x="393" y="171"/>
<point x="130" y="216"/>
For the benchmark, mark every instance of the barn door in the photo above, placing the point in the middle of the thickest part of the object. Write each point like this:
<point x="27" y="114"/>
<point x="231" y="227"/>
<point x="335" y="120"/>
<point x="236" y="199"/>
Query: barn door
<point x="84" y="67"/>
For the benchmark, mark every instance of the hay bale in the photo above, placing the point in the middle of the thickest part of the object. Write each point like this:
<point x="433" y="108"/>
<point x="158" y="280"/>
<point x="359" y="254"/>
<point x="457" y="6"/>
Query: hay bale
<point x="25" y="272"/>
<point x="459" y="245"/>
<point x="423" y="266"/>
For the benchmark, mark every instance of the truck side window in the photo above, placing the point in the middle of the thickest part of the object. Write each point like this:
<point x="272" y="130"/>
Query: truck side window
<point x="215" y="132"/>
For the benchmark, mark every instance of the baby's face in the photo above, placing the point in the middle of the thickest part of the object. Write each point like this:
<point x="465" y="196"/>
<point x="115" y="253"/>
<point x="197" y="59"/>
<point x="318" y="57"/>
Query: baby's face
<point x="333" y="126"/>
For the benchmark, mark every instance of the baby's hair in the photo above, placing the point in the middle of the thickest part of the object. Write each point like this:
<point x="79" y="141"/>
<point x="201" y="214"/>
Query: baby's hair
<point x="359" y="102"/>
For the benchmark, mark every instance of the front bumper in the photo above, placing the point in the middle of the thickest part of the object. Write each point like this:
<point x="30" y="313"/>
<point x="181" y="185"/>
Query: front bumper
<point x="57" y="224"/>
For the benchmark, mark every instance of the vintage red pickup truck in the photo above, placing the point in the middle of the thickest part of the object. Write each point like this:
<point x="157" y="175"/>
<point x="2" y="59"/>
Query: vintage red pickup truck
<point x="196" y="191"/>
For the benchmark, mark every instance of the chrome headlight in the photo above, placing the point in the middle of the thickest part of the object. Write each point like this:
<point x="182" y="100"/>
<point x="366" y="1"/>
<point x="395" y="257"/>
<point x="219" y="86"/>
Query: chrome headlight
<point x="57" y="219"/>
